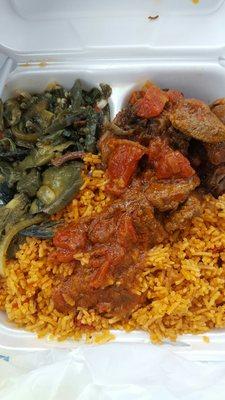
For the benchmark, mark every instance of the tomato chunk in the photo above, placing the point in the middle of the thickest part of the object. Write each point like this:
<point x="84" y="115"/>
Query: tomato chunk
<point x="72" y="237"/>
<point x="122" y="164"/>
<point x="135" y="96"/>
<point x="152" y="102"/>
<point x="168" y="163"/>
<point x="61" y="256"/>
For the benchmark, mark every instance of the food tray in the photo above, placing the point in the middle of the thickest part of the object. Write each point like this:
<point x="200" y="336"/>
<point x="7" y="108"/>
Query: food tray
<point x="114" y="43"/>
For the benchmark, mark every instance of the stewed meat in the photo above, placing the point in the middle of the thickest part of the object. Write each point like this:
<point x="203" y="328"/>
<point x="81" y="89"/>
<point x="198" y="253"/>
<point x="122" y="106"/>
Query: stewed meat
<point x="166" y="195"/>
<point x="179" y="219"/>
<point x="114" y="241"/>
<point x="216" y="152"/>
<point x="110" y="300"/>
<point x="194" y="118"/>
<point x="197" y="154"/>
<point x="218" y="108"/>
<point x="215" y="180"/>
<point x="125" y="118"/>
<point x="132" y="209"/>
<point x="177" y="140"/>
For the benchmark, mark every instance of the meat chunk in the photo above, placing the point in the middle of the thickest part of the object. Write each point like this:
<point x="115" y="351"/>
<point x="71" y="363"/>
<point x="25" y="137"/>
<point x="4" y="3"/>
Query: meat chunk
<point x="111" y="240"/>
<point x="216" y="152"/>
<point x="133" y="207"/>
<point x="106" y="145"/>
<point x="113" y="222"/>
<point x="162" y="128"/>
<point x="218" y="108"/>
<point x="179" y="219"/>
<point x="197" y="154"/>
<point x="194" y="118"/>
<point x="177" y="140"/>
<point x="102" y="228"/>
<point x="175" y="96"/>
<point x="149" y="229"/>
<point x="125" y="118"/>
<point x="128" y="125"/>
<point x="166" y="195"/>
<point x="142" y="130"/>
<point x="110" y="300"/>
<point x="105" y="263"/>
<point x="215" y="180"/>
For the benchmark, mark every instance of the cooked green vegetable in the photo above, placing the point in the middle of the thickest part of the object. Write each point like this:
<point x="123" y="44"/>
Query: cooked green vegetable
<point x="13" y="231"/>
<point x="10" y="151"/>
<point x="97" y="96"/>
<point x="14" y="246"/>
<point x="24" y="98"/>
<point x="76" y="95"/>
<point x="42" y="155"/>
<point x="106" y="90"/>
<point x="45" y="118"/>
<point x="59" y="186"/>
<point x="38" y="175"/>
<point x="25" y="137"/>
<point x="12" y="212"/>
<point x="8" y="173"/>
<point x="7" y="144"/>
<point x="14" y="218"/>
<point x="12" y="112"/>
<point x="64" y="119"/>
<point x="92" y="96"/>
<point x="45" y="230"/>
<point x="36" y="108"/>
<point x="29" y="183"/>
<point x="106" y="114"/>
<point x="58" y="137"/>
<point x="18" y="154"/>
<point x="6" y="193"/>
<point x="91" y="135"/>
<point x="8" y="177"/>
<point x="1" y="116"/>
<point x="36" y="207"/>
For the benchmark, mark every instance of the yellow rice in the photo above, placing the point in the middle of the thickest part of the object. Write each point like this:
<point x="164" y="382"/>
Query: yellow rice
<point x="184" y="279"/>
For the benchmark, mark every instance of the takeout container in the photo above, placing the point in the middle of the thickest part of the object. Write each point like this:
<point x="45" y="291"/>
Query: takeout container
<point x="114" y="42"/>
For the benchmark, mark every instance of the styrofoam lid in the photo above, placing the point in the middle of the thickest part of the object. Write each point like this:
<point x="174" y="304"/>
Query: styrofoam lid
<point x="57" y="29"/>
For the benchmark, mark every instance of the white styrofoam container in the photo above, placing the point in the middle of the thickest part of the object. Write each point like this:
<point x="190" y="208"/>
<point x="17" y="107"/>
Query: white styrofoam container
<point x="114" y="42"/>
